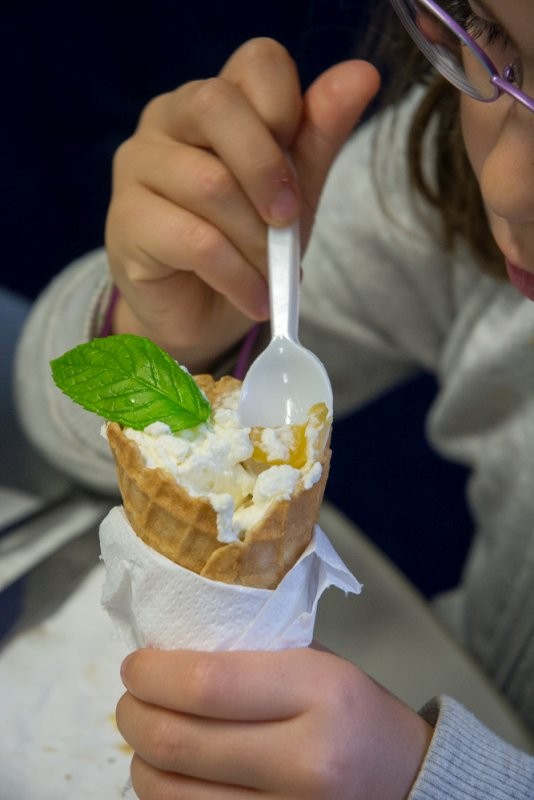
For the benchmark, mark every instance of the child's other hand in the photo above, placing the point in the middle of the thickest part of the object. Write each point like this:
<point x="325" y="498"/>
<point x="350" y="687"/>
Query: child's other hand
<point x="291" y="724"/>
<point x="195" y="185"/>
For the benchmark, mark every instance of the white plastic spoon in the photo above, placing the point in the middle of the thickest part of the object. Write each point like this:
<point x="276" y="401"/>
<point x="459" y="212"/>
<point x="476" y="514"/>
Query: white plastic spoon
<point x="286" y="379"/>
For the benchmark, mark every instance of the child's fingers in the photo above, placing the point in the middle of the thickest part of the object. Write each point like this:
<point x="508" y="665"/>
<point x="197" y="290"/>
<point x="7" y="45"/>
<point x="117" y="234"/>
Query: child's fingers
<point x="151" y="783"/>
<point x="171" y="278"/>
<point x="217" y="116"/>
<point x="226" y="116"/>
<point x="268" y="77"/>
<point x="215" y="751"/>
<point x="295" y="723"/>
<point x="197" y="181"/>
<point x="225" y="685"/>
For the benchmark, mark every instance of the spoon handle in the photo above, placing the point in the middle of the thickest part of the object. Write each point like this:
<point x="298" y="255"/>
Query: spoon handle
<point x="284" y="278"/>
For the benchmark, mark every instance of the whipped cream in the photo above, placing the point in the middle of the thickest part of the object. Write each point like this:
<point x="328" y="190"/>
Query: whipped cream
<point x="215" y="461"/>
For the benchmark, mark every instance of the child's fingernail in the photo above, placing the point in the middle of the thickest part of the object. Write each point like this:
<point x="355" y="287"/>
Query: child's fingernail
<point x="284" y="205"/>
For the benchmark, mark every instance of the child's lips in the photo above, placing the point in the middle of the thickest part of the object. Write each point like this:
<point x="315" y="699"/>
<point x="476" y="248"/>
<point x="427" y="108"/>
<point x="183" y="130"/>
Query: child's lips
<point x="522" y="279"/>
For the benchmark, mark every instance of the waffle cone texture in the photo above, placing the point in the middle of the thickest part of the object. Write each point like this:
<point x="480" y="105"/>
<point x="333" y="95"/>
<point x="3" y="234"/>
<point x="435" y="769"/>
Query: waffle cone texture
<point x="184" y="528"/>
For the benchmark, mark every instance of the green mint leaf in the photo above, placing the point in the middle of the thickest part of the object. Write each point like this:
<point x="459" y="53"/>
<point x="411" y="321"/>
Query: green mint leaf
<point x="130" y="380"/>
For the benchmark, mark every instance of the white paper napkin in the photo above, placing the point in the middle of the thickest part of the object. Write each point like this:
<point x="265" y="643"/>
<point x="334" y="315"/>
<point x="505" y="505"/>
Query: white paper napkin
<point x="156" y="603"/>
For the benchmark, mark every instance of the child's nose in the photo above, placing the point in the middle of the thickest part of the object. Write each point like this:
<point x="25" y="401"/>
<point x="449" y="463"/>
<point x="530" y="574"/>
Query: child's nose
<point x="507" y="179"/>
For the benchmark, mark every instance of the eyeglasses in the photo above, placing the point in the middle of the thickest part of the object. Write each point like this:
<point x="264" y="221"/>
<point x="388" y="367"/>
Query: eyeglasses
<point x="452" y="49"/>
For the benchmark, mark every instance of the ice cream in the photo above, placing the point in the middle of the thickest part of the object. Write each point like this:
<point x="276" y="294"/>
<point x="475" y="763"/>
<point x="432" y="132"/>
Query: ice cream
<point x="235" y="504"/>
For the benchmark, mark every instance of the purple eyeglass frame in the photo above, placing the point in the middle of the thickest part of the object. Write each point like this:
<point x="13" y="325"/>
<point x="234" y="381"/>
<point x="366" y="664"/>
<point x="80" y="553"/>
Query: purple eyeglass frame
<point x="502" y="84"/>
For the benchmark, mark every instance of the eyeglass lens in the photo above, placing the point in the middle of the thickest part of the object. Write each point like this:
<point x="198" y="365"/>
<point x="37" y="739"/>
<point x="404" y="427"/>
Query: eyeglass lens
<point x="447" y="50"/>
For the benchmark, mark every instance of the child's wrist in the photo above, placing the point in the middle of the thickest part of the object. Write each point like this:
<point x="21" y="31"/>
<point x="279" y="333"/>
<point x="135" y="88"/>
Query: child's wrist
<point x="104" y="327"/>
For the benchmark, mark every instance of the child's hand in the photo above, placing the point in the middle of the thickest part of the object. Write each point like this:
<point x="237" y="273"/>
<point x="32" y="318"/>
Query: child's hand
<point x="193" y="188"/>
<point x="291" y="724"/>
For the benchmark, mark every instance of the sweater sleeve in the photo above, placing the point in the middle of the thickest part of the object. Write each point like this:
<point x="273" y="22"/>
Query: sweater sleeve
<point x="467" y="761"/>
<point x="377" y="289"/>
<point x="65" y="315"/>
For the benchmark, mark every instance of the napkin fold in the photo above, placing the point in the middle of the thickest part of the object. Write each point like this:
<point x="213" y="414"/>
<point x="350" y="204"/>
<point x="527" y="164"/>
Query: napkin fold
<point x="154" y="602"/>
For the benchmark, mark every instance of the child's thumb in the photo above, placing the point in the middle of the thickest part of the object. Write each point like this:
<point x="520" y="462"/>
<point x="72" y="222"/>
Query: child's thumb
<point x="333" y="105"/>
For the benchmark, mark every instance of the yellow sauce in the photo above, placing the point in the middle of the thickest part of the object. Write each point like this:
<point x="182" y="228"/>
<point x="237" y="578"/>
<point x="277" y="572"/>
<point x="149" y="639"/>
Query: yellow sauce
<point x="298" y="438"/>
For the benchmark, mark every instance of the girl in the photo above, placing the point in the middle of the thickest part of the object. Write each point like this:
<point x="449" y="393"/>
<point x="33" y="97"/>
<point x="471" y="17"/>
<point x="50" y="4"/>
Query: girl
<point x="426" y="213"/>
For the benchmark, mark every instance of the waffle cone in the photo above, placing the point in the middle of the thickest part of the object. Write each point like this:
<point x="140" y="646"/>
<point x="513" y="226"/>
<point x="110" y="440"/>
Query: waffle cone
<point x="184" y="528"/>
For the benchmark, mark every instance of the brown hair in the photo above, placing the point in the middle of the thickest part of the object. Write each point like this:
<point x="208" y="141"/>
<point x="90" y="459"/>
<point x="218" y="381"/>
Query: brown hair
<point x="453" y="188"/>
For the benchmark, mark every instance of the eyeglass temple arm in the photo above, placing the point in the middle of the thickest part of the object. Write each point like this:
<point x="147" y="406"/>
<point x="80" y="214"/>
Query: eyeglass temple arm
<point x="510" y="88"/>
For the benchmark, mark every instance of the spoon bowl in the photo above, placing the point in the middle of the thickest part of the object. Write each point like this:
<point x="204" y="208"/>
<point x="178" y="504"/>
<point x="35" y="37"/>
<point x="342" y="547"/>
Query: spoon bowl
<point x="286" y="379"/>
